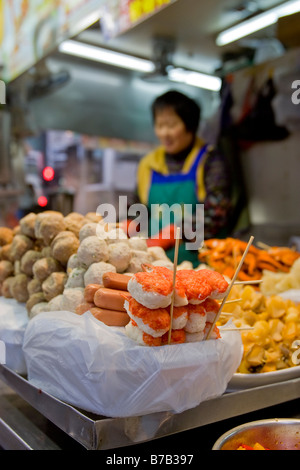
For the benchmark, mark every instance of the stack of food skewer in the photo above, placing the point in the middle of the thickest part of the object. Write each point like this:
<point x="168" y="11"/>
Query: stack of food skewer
<point x="178" y="307"/>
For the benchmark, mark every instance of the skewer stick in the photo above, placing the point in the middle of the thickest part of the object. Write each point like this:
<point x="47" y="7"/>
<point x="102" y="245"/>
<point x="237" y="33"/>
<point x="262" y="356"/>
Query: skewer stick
<point x="233" y="301"/>
<point x="238" y="328"/>
<point x="263" y="245"/>
<point x="230" y="286"/>
<point x="174" y="281"/>
<point x="252" y="281"/>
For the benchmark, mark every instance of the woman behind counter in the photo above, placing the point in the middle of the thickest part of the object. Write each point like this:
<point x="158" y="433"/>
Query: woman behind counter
<point x="184" y="169"/>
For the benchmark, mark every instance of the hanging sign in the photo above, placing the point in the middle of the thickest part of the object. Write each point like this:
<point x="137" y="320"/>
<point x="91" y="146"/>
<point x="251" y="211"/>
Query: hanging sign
<point x="119" y="16"/>
<point x="31" y="29"/>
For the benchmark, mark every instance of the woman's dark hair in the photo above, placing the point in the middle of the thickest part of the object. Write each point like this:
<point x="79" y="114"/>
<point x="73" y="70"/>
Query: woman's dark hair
<point x="186" y="108"/>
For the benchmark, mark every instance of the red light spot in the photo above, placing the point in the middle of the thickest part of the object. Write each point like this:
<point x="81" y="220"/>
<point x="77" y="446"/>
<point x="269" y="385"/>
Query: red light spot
<point x="42" y="201"/>
<point x="48" y="173"/>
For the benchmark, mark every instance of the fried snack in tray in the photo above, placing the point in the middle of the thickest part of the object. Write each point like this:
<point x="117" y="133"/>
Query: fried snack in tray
<point x="275" y="283"/>
<point x="224" y="255"/>
<point x="268" y="346"/>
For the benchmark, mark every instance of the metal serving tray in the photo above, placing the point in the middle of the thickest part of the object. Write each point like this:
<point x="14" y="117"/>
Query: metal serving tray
<point x="102" y="433"/>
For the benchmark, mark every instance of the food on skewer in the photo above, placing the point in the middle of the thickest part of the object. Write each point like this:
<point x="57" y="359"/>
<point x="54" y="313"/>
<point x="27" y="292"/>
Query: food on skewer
<point x="196" y="319"/>
<point x="216" y="280"/>
<point x="140" y="337"/>
<point x="180" y="317"/>
<point x="211" y="307"/>
<point x="154" y="322"/>
<point x="177" y="337"/>
<point x="215" y="334"/>
<point x="196" y="289"/>
<point x="153" y="288"/>
<point x="190" y="322"/>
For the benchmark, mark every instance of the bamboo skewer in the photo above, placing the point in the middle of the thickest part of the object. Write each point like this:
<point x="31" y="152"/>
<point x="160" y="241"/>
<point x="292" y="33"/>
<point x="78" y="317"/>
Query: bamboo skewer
<point x="252" y="281"/>
<point x="174" y="282"/>
<point x="232" y="301"/>
<point x="230" y="286"/>
<point x="263" y="245"/>
<point x="235" y="328"/>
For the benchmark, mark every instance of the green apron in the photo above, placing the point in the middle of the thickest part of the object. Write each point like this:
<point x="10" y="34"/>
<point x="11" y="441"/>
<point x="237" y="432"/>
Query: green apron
<point x="179" y="189"/>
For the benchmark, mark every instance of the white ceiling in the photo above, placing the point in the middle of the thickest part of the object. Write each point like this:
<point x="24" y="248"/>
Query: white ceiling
<point x="193" y="24"/>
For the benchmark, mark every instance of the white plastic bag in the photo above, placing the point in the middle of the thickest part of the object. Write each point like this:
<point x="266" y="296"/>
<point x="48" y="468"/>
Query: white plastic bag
<point x="81" y="361"/>
<point x="13" y="321"/>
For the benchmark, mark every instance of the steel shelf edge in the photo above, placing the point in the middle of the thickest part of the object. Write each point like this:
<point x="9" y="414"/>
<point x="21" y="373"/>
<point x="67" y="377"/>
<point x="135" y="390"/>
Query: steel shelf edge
<point x="100" y="432"/>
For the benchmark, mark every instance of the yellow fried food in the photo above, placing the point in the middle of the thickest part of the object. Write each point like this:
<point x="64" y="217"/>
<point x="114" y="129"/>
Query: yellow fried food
<point x="275" y="323"/>
<point x="276" y="282"/>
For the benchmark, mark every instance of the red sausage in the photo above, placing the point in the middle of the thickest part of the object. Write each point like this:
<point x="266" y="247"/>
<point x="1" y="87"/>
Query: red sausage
<point x="115" y="280"/>
<point x="110" y="317"/>
<point x="111" y="299"/>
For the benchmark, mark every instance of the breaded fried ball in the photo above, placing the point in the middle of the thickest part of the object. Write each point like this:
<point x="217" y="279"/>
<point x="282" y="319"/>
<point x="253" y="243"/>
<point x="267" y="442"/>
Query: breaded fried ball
<point x="19" y="289"/>
<point x="137" y="260"/>
<point x="37" y="309"/>
<point x="137" y="243"/>
<point x="33" y="300"/>
<point x="27" y="224"/>
<point x="6" y="287"/>
<point x="28" y="260"/>
<point x="119" y="255"/>
<point x="72" y="297"/>
<point x="19" y="246"/>
<point x="54" y="285"/>
<point x="92" y="250"/>
<point x="6" y="235"/>
<point x="89" y="229"/>
<point x="49" y="226"/>
<point x="95" y="272"/>
<point x="64" y="245"/>
<point x="43" y="267"/>
<point x="74" y="222"/>
<point x="54" y="304"/>
<point x="75" y="278"/>
<point x="6" y="269"/>
<point x="93" y="217"/>
<point x="34" y="286"/>
<point x="116" y="235"/>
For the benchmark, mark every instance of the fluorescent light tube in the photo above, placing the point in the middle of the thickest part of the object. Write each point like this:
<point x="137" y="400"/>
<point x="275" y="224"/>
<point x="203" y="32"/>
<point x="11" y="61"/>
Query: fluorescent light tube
<point x="98" y="54"/>
<point x="201" y="80"/>
<point x="118" y="59"/>
<point x="258" y="22"/>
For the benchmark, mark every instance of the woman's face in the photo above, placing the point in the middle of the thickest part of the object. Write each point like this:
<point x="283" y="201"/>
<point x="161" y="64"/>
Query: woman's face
<point x="171" y="131"/>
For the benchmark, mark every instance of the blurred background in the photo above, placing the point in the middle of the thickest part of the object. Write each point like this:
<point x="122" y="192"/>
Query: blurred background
<point x="75" y="123"/>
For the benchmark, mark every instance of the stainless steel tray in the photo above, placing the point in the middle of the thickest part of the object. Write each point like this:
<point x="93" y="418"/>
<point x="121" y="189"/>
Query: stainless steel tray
<point x="102" y="433"/>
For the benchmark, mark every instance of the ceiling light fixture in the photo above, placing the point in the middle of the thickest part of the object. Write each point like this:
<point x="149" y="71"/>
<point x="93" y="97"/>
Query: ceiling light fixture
<point x="258" y="22"/>
<point x="201" y="80"/>
<point x="118" y="59"/>
<point x="98" y="54"/>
